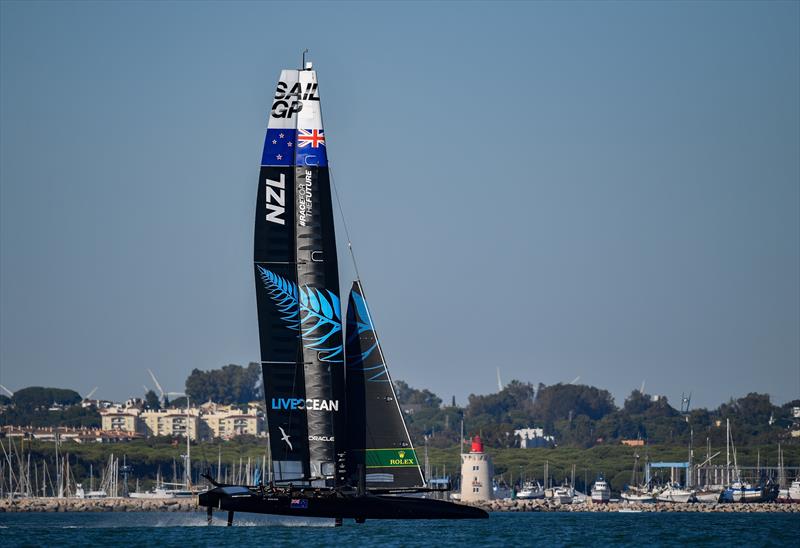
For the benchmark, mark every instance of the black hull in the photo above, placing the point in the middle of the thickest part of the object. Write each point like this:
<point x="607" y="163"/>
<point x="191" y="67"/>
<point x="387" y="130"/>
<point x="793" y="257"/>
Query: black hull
<point x="331" y="505"/>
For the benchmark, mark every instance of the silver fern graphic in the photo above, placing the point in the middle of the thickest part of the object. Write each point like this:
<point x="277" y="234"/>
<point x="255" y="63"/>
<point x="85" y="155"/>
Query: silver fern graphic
<point x="316" y="313"/>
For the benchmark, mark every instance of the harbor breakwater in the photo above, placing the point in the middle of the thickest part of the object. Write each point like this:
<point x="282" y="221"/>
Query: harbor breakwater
<point x="52" y="504"/>
<point x="190" y="505"/>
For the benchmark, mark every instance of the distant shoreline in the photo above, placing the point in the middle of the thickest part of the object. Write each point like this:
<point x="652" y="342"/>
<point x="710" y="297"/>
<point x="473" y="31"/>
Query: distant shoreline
<point x="190" y="505"/>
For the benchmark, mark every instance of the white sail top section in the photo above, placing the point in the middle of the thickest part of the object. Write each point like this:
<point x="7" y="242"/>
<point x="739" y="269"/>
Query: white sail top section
<point x="285" y="104"/>
<point x="310" y="115"/>
<point x="294" y="132"/>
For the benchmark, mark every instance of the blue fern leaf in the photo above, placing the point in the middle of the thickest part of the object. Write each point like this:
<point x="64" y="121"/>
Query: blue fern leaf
<point x="284" y="295"/>
<point x="314" y="312"/>
<point x="337" y="306"/>
<point x="359" y="322"/>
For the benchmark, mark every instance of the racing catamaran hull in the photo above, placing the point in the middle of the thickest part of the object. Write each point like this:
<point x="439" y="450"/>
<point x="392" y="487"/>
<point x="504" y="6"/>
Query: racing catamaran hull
<point x="333" y="505"/>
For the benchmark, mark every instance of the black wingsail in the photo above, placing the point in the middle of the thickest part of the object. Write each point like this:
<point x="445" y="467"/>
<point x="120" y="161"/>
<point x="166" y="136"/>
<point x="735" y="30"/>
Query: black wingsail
<point x="297" y="286"/>
<point x="321" y="465"/>
<point x="380" y="449"/>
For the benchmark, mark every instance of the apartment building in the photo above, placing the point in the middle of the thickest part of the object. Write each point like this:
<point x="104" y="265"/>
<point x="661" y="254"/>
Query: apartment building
<point x="208" y="421"/>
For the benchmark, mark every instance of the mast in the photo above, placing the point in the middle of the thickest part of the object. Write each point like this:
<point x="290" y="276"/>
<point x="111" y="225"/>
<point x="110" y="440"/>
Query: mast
<point x="188" y="449"/>
<point x="297" y="287"/>
<point x="727" y="452"/>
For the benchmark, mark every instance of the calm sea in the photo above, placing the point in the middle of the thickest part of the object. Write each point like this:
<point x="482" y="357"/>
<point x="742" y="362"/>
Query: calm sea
<point x="551" y="529"/>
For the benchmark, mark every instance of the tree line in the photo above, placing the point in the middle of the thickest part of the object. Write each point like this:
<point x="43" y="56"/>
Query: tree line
<point x="585" y="416"/>
<point x="576" y="415"/>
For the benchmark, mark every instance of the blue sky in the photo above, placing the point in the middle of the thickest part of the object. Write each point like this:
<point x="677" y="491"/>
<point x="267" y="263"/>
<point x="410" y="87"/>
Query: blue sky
<point x="608" y="190"/>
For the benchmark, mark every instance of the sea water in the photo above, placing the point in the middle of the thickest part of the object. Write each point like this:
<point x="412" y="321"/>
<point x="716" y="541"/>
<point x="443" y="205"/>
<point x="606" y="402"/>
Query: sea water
<point x="501" y="529"/>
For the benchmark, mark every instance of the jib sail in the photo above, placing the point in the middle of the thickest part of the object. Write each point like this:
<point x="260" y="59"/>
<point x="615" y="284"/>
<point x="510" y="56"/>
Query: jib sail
<point x="380" y="449"/>
<point x="297" y="287"/>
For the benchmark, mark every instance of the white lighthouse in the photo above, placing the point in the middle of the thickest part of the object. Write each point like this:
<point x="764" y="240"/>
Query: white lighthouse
<point x="476" y="473"/>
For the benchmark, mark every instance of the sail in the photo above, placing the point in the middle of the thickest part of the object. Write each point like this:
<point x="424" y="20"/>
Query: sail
<point x="297" y="286"/>
<point x="379" y="445"/>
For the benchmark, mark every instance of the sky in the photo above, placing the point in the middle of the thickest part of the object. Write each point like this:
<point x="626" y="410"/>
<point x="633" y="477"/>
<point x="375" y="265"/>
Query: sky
<point x="608" y="191"/>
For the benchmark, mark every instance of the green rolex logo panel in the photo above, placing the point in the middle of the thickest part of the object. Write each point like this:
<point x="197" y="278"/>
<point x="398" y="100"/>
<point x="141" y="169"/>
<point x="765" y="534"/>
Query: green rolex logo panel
<point x="386" y="458"/>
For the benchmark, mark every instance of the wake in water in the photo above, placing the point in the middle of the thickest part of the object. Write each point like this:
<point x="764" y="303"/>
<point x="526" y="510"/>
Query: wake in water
<point x="136" y="520"/>
<point x="243" y="520"/>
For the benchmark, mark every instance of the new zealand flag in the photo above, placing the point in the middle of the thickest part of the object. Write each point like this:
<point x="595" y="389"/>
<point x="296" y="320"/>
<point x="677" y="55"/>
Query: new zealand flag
<point x="311" y="148"/>
<point x="279" y="145"/>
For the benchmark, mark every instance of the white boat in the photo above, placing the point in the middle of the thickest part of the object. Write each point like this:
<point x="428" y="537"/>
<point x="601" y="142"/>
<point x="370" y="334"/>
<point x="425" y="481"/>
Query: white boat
<point x="743" y="492"/>
<point x="637" y="495"/>
<point x="531" y="490"/>
<point x="95" y="494"/>
<point x="601" y="492"/>
<point x="673" y="493"/>
<point x="578" y="497"/>
<point x="562" y="495"/>
<point x="162" y="492"/>
<point x="708" y="494"/>
<point x="792" y="494"/>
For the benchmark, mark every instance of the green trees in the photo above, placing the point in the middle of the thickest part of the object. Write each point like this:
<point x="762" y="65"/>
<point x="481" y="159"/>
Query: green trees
<point x="584" y="416"/>
<point x="412" y="396"/>
<point x="37" y="397"/>
<point x="151" y="400"/>
<point x="230" y="384"/>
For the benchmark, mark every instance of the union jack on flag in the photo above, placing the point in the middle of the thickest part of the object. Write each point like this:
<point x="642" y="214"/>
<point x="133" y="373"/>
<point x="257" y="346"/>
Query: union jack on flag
<point x="299" y="503"/>
<point x="313" y="137"/>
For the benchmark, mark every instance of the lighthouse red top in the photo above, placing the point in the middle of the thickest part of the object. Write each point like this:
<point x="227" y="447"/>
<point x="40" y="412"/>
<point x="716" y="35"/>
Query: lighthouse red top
<point x="477" y="445"/>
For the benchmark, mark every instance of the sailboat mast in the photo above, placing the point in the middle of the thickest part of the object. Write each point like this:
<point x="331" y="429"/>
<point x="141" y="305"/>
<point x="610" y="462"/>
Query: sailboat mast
<point x="188" y="448"/>
<point x="727" y="451"/>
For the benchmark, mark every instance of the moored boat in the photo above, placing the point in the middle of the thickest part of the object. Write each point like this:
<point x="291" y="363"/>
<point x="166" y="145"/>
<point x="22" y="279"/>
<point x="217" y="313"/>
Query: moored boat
<point x="531" y="490"/>
<point x="742" y="492"/>
<point x="635" y="492"/>
<point x="791" y="494"/>
<point x="636" y="495"/>
<point x="674" y="493"/>
<point x="708" y="494"/>
<point x="601" y="492"/>
<point x="564" y="494"/>
<point x="91" y="494"/>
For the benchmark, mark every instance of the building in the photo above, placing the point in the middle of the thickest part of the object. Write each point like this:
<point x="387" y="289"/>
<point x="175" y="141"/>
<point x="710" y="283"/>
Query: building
<point x="63" y="434"/>
<point x="476" y="473"/>
<point x="207" y="421"/>
<point x="633" y="443"/>
<point x="172" y="423"/>
<point x="121" y="418"/>
<point x="226" y="421"/>
<point x="533" y="437"/>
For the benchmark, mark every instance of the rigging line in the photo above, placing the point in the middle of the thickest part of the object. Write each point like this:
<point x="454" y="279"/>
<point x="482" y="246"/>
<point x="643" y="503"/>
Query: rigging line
<point x="344" y="222"/>
<point x="339" y="202"/>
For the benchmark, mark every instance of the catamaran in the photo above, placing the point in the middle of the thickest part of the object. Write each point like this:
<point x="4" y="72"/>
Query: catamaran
<point x="338" y="441"/>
